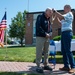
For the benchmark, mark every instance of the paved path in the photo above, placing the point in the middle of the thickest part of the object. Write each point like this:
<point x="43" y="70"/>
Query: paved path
<point x="28" y="67"/>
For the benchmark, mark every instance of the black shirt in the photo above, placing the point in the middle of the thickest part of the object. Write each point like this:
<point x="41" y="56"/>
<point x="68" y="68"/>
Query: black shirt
<point x="42" y="25"/>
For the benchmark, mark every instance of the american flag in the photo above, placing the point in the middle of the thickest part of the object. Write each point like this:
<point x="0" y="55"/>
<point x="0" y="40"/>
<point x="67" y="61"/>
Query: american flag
<point x="3" y="22"/>
<point x="3" y="26"/>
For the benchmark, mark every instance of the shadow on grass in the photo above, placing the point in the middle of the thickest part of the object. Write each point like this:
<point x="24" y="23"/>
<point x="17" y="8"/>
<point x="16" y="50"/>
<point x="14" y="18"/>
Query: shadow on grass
<point x="10" y="73"/>
<point x="15" y="46"/>
<point x="16" y="73"/>
<point x="58" y="72"/>
<point x="58" y="61"/>
<point x="19" y="46"/>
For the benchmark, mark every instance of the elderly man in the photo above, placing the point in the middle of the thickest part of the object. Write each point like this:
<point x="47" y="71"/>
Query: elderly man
<point x="43" y="34"/>
<point x="66" y="36"/>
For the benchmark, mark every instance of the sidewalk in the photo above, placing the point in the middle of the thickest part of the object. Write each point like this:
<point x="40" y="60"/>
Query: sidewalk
<point x="28" y="67"/>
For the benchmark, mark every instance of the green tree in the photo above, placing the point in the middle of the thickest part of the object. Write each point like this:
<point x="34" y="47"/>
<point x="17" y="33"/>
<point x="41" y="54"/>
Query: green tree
<point x="17" y="27"/>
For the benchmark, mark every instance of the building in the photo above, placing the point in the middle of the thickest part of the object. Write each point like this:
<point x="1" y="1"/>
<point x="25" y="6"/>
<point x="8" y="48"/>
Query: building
<point x="30" y="36"/>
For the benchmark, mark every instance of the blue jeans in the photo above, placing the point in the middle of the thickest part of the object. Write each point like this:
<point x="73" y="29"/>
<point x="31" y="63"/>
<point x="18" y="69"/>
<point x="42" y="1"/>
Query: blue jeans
<point x="68" y="59"/>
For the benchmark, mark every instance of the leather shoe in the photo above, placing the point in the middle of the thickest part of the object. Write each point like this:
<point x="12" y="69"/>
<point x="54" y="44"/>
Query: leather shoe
<point x="47" y="68"/>
<point x="72" y="70"/>
<point x="64" y="69"/>
<point x="39" y="70"/>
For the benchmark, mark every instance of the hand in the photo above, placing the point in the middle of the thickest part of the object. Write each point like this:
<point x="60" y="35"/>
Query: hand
<point x="53" y="10"/>
<point x="47" y="35"/>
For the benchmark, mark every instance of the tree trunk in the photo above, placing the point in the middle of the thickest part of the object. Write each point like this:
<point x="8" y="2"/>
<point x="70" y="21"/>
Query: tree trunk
<point x="21" y="42"/>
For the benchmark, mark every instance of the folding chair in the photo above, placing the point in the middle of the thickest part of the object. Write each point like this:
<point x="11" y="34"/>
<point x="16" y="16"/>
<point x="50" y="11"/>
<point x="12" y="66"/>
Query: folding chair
<point x="52" y="53"/>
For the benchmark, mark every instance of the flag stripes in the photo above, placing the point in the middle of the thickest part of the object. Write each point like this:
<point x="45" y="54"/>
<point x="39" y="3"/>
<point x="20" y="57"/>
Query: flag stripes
<point x="3" y="26"/>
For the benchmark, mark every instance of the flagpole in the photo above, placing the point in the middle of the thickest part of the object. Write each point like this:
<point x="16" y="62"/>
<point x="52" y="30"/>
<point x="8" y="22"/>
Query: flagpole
<point x="6" y="43"/>
<point x="6" y="39"/>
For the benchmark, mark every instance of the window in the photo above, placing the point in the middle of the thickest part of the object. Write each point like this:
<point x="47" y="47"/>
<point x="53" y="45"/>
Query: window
<point x="34" y="27"/>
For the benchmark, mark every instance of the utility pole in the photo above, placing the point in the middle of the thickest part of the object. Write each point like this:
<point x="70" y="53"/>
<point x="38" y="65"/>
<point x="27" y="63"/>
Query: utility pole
<point x="28" y="5"/>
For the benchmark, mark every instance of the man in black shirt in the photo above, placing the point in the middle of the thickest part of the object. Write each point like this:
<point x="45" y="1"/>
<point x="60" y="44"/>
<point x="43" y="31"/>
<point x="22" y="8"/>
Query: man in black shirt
<point x="43" y="34"/>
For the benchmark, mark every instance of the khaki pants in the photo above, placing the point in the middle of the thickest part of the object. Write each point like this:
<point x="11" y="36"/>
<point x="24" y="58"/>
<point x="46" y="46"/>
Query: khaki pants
<point x="42" y="45"/>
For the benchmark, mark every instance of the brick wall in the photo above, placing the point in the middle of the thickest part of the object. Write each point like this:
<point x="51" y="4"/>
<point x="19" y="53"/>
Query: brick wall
<point x="74" y="23"/>
<point x="29" y="29"/>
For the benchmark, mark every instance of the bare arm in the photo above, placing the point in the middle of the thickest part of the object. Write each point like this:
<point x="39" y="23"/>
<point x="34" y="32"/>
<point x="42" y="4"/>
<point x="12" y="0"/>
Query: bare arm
<point x="59" y="20"/>
<point x="60" y="16"/>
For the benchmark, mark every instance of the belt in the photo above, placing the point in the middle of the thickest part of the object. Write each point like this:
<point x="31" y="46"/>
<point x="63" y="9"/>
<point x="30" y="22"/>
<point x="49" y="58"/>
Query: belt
<point x="67" y="31"/>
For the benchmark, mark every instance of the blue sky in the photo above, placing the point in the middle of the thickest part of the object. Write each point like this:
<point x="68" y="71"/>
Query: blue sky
<point x="14" y="6"/>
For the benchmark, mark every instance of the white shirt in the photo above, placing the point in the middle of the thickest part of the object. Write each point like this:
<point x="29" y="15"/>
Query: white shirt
<point x="67" y="22"/>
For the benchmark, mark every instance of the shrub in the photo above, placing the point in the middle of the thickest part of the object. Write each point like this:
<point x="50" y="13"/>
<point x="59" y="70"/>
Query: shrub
<point x="8" y="41"/>
<point x="73" y="37"/>
<point x="57" y="38"/>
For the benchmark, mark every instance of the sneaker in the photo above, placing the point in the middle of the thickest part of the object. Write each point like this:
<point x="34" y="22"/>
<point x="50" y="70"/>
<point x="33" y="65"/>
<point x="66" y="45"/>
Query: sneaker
<point x="39" y="70"/>
<point x="47" y="68"/>
<point x="72" y="70"/>
<point x="64" y="69"/>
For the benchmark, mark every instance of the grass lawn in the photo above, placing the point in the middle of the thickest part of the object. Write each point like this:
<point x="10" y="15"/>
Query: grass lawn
<point x="24" y="54"/>
<point x="14" y="73"/>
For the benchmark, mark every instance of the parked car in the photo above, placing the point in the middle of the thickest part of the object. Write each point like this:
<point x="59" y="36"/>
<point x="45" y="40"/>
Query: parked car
<point x="14" y="42"/>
